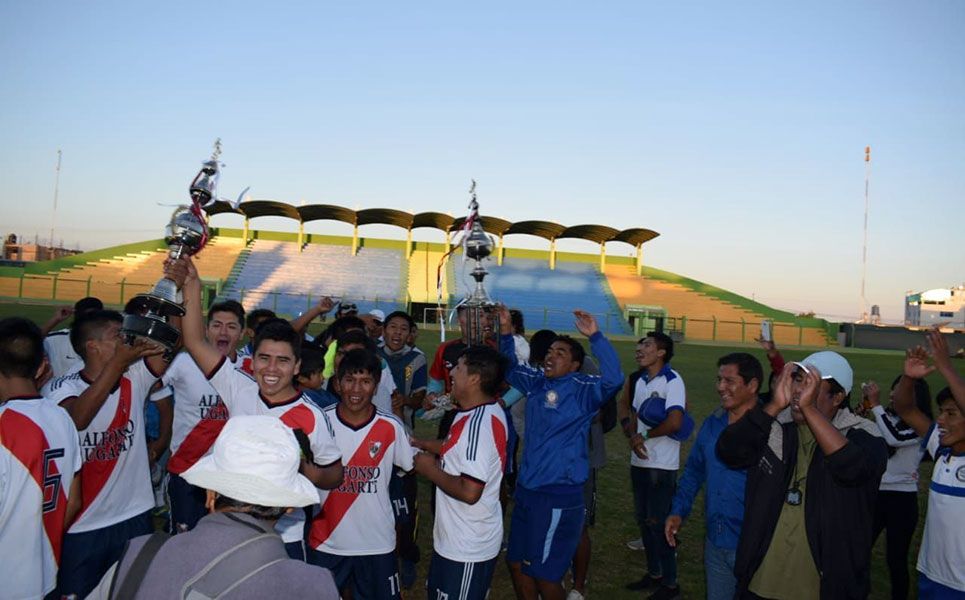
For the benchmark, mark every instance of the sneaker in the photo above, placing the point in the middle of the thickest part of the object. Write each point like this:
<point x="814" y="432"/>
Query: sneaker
<point x="666" y="593"/>
<point x="636" y="544"/>
<point x="648" y="582"/>
<point x="575" y="595"/>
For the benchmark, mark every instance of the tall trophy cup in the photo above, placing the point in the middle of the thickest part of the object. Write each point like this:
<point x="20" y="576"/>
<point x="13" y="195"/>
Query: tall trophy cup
<point x="185" y="235"/>
<point x="481" y="316"/>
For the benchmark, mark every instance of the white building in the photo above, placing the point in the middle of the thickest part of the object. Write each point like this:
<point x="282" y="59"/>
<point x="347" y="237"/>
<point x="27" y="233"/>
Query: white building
<point x="943" y="306"/>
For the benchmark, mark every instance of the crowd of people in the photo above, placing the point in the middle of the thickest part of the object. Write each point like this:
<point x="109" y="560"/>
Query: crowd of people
<point x="288" y="465"/>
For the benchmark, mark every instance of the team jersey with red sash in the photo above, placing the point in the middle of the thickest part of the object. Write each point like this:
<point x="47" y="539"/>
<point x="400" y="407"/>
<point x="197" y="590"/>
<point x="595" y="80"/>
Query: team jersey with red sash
<point x="115" y="476"/>
<point x="476" y="449"/>
<point x="199" y="413"/>
<point x="357" y="519"/>
<point x="39" y="455"/>
<point x="240" y="394"/>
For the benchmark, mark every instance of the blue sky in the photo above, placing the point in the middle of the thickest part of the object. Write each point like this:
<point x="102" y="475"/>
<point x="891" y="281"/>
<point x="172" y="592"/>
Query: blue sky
<point x="735" y="129"/>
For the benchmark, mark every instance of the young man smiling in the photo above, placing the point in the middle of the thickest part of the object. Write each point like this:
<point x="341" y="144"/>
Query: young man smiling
<point x="353" y="534"/>
<point x="275" y="362"/>
<point x="468" y="529"/>
<point x="548" y="516"/>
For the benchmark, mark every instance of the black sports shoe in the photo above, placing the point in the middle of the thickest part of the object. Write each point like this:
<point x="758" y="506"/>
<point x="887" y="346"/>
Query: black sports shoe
<point x="666" y="593"/>
<point x="648" y="582"/>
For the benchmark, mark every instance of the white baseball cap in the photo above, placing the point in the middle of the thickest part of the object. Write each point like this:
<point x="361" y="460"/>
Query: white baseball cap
<point x="378" y="314"/>
<point x="832" y="366"/>
<point x="255" y="459"/>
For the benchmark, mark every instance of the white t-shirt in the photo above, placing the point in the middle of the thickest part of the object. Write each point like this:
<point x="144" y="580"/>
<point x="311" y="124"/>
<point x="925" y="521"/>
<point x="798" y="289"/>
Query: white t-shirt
<point x="61" y="354"/>
<point x="357" y="519"/>
<point x="942" y="555"/>
<point x="115" y="477"/>
<point x="39" y="456"/>
<point x="199" y="413"/>
<point x="475" y="448"/>
<point x="383" y="395"/>
<point x="240" y="394"/>
<point x="662" y="451"/>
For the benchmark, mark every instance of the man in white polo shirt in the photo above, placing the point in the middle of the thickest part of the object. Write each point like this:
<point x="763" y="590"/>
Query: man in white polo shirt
<point x="655" y="458"/>
<point x="468" y="528"/>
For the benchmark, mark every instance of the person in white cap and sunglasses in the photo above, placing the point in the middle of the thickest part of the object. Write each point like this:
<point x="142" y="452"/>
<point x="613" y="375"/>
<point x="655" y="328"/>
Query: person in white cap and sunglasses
<point x="251" y="479"/>
<point x="813" y="469"/>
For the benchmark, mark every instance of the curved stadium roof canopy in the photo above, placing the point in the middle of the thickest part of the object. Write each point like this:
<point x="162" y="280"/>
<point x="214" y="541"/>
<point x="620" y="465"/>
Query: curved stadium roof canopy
<point x="549" y="230"/>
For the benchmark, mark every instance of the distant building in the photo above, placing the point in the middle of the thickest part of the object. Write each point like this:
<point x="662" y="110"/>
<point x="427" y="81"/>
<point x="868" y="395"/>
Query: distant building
<point x="15" y="250"/>
<point x="943" y="306"/>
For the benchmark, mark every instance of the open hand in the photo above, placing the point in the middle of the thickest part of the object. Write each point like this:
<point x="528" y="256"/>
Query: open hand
<point x="781" y="398"/>
<point x="128" y="354"/>
<point x="872" y="394"/>
<point x="938" y="346"/>
<point x="586" y="323"/>
<point x="808" y="395"/>
<point x="916" y="363"/>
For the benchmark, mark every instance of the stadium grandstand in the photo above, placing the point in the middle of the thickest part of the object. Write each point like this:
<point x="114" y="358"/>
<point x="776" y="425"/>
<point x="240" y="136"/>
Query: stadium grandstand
<point x="289" y="271"/>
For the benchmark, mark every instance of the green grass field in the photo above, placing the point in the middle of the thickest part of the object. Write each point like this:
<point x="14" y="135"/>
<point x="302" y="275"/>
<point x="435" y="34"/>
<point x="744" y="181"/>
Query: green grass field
<point x="613" y="564"/>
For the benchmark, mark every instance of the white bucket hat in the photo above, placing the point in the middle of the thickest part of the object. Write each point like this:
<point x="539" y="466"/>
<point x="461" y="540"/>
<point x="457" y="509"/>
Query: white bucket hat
<point x="832" y="366"/>
<point x="255" y="459"/>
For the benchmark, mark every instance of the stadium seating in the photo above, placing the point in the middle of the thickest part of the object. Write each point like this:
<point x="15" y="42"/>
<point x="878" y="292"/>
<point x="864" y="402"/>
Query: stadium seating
<point x="546" y="296"/>
<point x="278" y="276"/>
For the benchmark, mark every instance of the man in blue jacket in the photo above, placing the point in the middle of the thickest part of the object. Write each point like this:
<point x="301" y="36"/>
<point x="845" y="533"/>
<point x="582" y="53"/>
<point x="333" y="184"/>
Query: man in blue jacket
<point x="739" y="377"/>
<point x="560" y="404"/>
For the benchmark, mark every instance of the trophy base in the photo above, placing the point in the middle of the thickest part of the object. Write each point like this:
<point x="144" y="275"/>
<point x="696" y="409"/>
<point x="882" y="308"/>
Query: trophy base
<point x="156" y="330"/>
<point x="160" y="306"/>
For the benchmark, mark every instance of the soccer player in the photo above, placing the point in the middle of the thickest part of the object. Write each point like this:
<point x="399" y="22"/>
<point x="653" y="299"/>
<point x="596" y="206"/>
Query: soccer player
<point x="468" y="529"/>
<point x="39" y="455"/>
<point x="199" y="413"/>
<point x="271" y="391"/>
<point x="940" y="573"/>
<point x="106" y="399"/>
<point x="354" y="533"/>
<point x="548" y="517"/>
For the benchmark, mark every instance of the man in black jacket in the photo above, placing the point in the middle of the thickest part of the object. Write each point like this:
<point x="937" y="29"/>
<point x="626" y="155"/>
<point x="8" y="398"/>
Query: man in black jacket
<point x="813" y="474"/>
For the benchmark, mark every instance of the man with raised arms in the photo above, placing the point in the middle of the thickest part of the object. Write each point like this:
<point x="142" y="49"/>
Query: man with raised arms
<point x="39" y="454"/>
<point x="275" y="361"/>
<point x="354" y="533"/>
<point x="105" y="399"/>
<point x="548" y="517"/>
<point x="468" y="529"/>
<point x="199" y="413"/>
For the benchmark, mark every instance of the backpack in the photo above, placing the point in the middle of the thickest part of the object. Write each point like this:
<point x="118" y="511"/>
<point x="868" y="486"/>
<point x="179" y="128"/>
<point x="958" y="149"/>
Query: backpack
<point x="224" y="573"/>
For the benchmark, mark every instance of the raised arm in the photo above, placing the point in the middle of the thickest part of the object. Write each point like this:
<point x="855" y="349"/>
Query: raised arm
<point x="83" y="408"/>
<point x="204" y="354"/>
<point x="301" y="324"/>
<point x="940" y="356"/>
<point x="61" y="314"/>
<point x="915" y="367"/>
<point x="829" y="439"/>
<point x="611" y="375"/>
<point x="889" y="431"/>
<point x="519" y="376"/>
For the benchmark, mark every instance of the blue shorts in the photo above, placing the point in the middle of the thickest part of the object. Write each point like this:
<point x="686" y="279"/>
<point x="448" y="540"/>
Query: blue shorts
<point x="187" y="504"/>
<point x="86" y="556"/>
<point x="544" y="532"/>
<point x="929" y="589"/>
<point x="369" y="576"/>
<point x="459" y="580"/>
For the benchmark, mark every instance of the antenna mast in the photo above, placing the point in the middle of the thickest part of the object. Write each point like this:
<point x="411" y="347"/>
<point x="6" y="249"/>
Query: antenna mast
<point x="53" y="217"/>
<point x="864" y="246"/>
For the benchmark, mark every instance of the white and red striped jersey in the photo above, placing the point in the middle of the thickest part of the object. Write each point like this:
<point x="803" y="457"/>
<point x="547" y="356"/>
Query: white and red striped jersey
<point x="39" y="456"/>
<point x="357" y="518"/>
<point x="199" y="412"/>
<point x="116" y="476"/>
<point x="475" y="448"/>
<point x="240" y="394"/>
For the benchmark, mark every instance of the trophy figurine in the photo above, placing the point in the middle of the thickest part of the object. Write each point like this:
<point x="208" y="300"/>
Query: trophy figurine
<point x="185" y="235"/>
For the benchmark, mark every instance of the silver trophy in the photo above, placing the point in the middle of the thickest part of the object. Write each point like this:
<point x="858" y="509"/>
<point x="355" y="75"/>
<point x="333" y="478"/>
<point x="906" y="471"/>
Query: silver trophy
<point x="185" y="235"/>
<point x="481" y="316"/>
